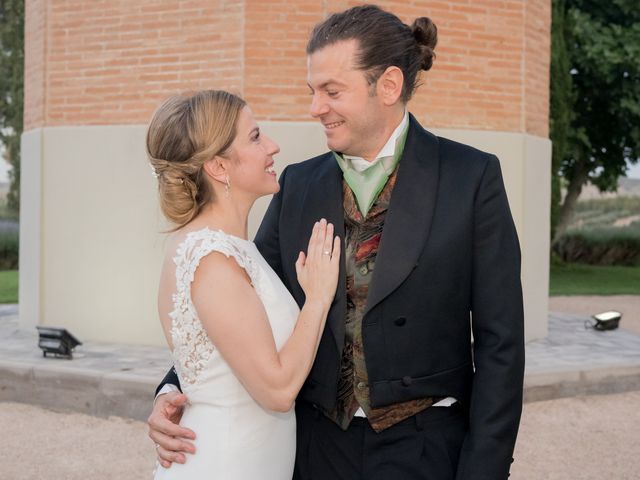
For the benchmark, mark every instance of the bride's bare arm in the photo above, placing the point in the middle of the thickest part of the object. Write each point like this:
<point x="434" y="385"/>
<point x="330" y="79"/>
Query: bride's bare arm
<point x="236" y="322"/>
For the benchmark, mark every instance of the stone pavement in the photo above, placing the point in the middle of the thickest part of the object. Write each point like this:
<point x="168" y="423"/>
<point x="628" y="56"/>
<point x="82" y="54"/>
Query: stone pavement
<point x="114" y="379"/>
<point x="574" y="360"/>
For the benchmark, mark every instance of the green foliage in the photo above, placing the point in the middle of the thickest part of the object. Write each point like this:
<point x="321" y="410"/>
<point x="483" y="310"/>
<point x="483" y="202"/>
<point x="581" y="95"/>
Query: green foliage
<point x="601" y="246"/>
<point x="561" y="104"/>
<point x="9" y="246"/>
<point x="574" y="279"/>
<point x="7" y="213"/>
<point x="9" y="286"/>
<point x="12" y="90"/>
<point x="598" y="43"/>
<point x="605" y="39"/>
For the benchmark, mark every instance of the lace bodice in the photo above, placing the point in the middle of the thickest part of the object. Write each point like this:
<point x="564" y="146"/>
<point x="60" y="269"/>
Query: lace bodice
<point x="192" y="348"/>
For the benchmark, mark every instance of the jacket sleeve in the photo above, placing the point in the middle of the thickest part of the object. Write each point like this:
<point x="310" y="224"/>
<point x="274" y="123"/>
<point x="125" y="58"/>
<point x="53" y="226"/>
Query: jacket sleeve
<point x="268" y="237"/>
<point x="498" y="332"/>
<point x="171" y="378"/>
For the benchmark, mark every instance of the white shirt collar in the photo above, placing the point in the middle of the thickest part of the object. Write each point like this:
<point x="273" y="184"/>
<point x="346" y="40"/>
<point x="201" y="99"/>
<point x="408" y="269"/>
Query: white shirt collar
<point x="388" y="150"/>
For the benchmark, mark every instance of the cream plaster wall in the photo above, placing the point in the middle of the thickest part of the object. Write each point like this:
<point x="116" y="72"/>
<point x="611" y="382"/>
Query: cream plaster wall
<point x="91" y="250"/>
<point x="526" y="169"/>
<point x="30" y="231"/>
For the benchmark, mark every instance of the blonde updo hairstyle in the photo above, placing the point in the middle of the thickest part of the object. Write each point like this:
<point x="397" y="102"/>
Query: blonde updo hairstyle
<point x="185" y="132"/>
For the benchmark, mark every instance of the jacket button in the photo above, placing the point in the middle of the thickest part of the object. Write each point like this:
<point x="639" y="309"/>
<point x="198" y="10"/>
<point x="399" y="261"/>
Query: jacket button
<point x="400" y="321"/>
<point x="406" y="381"/>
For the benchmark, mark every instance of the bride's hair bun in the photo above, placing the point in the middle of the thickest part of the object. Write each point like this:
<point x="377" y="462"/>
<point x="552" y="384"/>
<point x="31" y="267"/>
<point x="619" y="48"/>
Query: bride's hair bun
<point x="425" y="33"/>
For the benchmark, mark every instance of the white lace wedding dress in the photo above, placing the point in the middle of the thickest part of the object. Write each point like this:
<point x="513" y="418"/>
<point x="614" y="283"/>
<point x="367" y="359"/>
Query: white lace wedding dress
<point x="237" y="439"/>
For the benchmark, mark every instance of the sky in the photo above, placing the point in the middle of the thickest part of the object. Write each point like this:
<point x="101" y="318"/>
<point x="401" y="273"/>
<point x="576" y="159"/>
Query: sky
<point x="634" y="171"/>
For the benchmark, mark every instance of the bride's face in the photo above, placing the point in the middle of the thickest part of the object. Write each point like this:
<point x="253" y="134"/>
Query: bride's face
<point x="252" y="168"/>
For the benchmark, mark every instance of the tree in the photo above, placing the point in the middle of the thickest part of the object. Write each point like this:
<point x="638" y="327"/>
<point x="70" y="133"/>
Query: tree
<point x="11" y="90"/>
<point x="602" y="41"/>
<point x="561" y="105"/>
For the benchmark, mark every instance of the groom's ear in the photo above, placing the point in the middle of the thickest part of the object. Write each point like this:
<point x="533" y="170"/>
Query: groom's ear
<point x="216" y="169"/>
<point x="390" y="85"/>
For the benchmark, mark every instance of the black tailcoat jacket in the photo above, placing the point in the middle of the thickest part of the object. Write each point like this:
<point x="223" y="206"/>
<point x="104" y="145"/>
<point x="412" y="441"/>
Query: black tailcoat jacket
<point x="448" y="266"/>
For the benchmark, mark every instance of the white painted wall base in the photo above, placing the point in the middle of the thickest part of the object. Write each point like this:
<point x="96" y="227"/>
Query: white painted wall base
<point x="526" y="168"/>
<point x="90" y="241"/>
<point x="30" y="232"/>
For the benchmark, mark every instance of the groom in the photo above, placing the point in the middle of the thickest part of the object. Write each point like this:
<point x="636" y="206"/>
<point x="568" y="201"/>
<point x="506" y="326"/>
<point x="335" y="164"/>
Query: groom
<point x="398" y="389"/>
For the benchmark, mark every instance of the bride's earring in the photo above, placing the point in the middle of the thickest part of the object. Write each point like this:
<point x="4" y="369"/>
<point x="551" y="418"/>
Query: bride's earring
<point x="227" y="186"/>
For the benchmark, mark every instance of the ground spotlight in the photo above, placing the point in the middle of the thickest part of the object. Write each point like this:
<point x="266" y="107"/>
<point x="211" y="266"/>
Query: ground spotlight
<point x="57" y="341"/>
<point x="607" y="320"/>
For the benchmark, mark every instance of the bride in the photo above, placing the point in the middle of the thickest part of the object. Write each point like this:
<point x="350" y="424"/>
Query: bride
<point x="241" y="346"/>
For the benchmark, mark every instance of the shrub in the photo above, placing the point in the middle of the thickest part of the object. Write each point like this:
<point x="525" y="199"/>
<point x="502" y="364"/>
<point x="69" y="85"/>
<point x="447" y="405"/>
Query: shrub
<point x="601" y="246"/>
<point x="9" y="246"/>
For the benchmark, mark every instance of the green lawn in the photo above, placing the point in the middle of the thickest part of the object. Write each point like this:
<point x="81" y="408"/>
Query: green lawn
<point x="578" y="279"/>
<point x="9" y="286"/>
<point x="569" y="279"/>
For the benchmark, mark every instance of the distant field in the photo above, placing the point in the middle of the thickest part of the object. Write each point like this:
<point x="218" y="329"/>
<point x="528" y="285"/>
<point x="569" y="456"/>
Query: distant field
<point x="618" y="212"/>
<point x="627" y="187"/>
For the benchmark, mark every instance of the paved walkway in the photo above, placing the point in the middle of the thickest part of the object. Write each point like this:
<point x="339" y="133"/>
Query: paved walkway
<point x="115" y="379"/>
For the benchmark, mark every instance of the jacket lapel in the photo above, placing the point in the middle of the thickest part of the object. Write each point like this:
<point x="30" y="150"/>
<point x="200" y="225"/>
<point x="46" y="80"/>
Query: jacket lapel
<point x="409" y="216"/>
<point x="323" y="199"/>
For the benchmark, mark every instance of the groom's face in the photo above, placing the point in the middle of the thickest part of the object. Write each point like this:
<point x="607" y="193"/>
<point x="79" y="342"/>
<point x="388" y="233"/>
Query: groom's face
<point x="348" y="107"/>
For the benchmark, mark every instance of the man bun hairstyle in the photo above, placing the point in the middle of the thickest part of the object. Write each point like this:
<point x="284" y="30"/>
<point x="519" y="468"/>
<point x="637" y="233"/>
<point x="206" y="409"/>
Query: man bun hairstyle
<point x="185" y="132"/>
<point x="426" y="34"/>
<point x="383" y="40"/>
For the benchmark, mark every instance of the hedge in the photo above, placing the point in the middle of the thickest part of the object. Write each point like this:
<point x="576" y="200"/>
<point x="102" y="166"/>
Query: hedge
<point x="601" y="246"/>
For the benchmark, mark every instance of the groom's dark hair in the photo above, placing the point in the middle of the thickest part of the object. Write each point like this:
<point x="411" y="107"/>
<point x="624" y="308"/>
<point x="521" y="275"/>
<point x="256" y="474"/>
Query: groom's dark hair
<point x="383" y="40"/>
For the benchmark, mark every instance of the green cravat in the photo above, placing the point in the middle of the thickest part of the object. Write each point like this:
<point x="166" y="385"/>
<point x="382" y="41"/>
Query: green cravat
<point x="368" y="184"/>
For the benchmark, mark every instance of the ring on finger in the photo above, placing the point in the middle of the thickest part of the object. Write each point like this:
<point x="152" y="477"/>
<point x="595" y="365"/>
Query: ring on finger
<point x="326" y="252"/>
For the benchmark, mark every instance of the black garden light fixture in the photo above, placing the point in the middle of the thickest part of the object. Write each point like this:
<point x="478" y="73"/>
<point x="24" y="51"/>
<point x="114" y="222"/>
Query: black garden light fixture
<point x="57" y="341"/>
<point x="606" y="320"/>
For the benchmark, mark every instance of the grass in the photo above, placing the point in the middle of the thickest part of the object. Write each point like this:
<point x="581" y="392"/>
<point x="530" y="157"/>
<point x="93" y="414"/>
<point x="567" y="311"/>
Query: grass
<point x="579" y="279"/>
<point x="9" y="286"/>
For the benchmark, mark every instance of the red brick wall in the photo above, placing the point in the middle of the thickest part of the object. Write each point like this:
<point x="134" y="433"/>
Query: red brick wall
<point x="476" y="80"/>
<point x="111" y="62"/>
<point x="34" y="63"/>
<point x="538" y="45"/>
